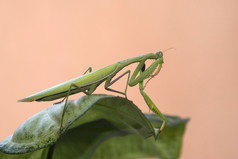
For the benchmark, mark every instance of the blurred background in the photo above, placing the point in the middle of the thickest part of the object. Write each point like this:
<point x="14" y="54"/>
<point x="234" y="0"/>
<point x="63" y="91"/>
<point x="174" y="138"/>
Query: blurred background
<point x="43" y="43"/>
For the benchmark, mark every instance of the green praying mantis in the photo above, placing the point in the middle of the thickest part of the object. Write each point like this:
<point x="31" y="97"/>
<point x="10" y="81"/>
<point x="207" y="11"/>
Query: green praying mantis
<point x="89" y="81"/>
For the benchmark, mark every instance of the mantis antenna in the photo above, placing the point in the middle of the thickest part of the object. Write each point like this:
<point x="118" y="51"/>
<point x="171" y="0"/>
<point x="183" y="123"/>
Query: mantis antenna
<point x="171" y="48"/>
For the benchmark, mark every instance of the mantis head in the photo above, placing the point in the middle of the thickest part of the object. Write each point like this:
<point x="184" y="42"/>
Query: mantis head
<point x="159" y="54"/>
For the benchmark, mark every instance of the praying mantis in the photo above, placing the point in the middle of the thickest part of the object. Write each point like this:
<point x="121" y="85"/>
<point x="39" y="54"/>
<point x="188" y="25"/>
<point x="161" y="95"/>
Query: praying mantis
<point x="89" y="81"/>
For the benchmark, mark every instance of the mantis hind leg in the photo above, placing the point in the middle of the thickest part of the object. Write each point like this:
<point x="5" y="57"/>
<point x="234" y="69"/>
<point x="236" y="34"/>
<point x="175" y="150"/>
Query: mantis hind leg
<point x="88" y="92"/>
<point x="85" y="92"/>
<point x="109" y="83"/>
<point x="152" y="107"/>
<point x="88" y="70"/>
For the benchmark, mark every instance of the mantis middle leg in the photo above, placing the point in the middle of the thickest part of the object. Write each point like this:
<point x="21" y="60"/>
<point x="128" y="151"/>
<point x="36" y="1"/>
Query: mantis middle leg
<point x="109" y="83"/>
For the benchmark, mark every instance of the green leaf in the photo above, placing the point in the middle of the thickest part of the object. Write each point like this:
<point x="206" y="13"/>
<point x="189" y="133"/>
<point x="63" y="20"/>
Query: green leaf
<point x="168" y="146"/>
<point x="88" y="122"/>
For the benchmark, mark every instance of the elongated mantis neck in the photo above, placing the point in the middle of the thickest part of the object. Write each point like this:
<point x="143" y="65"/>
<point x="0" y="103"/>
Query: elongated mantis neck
<point x="127" y="62"/>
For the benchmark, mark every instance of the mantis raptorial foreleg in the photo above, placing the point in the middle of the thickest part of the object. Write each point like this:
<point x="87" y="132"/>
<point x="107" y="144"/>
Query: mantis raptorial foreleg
<point x="144" y="73"/>
<point x="109" y="83"/>
<point x="152" y="106"/>
<point x="153" y="75"/>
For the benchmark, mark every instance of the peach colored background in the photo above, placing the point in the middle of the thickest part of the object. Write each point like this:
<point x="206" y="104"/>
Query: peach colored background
<point x="47" y="42"/>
